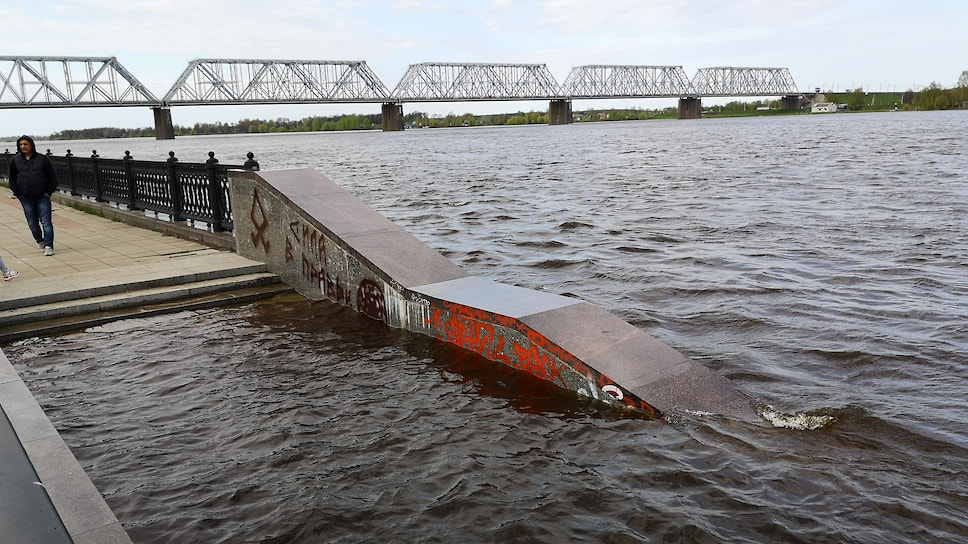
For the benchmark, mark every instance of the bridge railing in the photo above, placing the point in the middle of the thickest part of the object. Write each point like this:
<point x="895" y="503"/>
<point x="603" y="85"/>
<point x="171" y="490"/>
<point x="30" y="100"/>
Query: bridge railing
<point x="183" y="191"/>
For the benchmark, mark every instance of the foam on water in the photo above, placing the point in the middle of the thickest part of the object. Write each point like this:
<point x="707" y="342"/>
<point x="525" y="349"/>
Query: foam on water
<point x="799" y="421"/>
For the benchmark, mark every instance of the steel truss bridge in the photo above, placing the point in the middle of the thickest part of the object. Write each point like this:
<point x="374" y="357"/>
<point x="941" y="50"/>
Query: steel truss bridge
<point x="455" y="82"/>
<point x="231" y="81"/>
<point x="51" y="82"/>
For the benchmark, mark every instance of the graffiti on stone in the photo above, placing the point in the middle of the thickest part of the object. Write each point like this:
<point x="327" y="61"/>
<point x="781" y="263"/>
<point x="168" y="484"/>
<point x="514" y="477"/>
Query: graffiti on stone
<point x="310" y="240"/>
<point x="260" y="220"/>
<point x="311" y="272"/>
<point x="306" y="245"/>
<point x="337" y="291"/>
<point x="370" y="300"/>
<point x="468" y="328"/>
<point x="487" y="334"/>
<point x="290" y="250"/>
<point x="538" y="362"/>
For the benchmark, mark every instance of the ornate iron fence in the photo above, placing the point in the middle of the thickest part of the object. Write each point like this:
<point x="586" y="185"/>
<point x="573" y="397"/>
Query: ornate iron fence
<point x="184" y="191"/>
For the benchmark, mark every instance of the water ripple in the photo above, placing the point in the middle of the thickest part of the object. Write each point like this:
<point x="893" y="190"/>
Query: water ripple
<point x="817" y="261"/>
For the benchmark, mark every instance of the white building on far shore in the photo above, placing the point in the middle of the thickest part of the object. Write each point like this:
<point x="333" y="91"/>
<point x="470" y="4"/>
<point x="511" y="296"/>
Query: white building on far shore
<point x="823" y="107"/>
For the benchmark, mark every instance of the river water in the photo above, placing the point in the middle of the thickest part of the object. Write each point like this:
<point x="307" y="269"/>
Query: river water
<point x="818" y="261"/>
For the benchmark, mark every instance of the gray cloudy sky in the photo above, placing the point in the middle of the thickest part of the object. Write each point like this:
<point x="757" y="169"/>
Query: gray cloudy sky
<point x="879" y="45"/>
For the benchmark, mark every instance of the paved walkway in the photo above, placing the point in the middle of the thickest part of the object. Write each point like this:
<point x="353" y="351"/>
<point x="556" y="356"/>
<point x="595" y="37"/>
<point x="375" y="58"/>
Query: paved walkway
<point x="83" y="242"/>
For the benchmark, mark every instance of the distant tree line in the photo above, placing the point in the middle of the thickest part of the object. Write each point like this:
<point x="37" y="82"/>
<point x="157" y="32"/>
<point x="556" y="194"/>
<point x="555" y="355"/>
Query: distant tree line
<point x="245" y="126"/>
<point x="423" y="120"/>
<point x="936" y="98"/>
<point x="101" y="132"/>
<point x="414" y="119"/>
<point x="933" y="97"/>
<point x="306" y="124"/>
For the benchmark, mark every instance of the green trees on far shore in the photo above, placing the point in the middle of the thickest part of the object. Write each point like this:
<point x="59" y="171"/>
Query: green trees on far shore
<point x="936" y="98"/>
<point x="306" y="124"/>
<point x="933" y="97"/>
<point x="414" y="119"/>
<point x="245" y="126"/>
<point x="423" y="120"/>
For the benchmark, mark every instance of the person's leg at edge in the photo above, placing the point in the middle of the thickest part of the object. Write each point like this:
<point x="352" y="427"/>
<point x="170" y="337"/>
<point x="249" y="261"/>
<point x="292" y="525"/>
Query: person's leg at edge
<point x="7" y="273"/>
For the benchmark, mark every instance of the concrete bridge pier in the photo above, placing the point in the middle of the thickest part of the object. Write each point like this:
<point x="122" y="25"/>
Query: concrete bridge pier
<point x="690" y="107"/>
<point x="164" y="130"/>
<point x="392" y="116"/>
<point x="559" y="112"/>
<point x="790" y="102"/>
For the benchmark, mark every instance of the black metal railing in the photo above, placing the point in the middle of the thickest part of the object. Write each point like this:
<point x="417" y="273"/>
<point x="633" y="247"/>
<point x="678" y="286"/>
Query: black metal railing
<point x="181" y="190"/>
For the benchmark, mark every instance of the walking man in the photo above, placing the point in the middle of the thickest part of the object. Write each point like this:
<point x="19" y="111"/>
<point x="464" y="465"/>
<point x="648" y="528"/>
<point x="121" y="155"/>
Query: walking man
<point x="33" y="180"/>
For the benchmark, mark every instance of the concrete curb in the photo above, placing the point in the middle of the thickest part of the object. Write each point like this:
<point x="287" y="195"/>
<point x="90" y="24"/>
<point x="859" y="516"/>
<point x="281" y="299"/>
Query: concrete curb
<point x="77" y="503"/>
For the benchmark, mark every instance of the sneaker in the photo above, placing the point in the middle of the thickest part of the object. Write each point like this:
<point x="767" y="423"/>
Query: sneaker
<point x="48" y="251"/>
<point x="11" y="274"/>
<point x="40" y="245"/>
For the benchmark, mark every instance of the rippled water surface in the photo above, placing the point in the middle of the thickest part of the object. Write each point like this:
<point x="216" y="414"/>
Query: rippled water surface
<point x="817" y="261"/>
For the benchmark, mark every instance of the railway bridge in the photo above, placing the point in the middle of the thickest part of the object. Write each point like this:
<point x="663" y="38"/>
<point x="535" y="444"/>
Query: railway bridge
<point x="55" y="82"/>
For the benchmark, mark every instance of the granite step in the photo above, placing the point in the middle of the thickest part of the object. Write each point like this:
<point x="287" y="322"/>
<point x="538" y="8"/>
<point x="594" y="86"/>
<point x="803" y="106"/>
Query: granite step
<point x="52" y="305"/>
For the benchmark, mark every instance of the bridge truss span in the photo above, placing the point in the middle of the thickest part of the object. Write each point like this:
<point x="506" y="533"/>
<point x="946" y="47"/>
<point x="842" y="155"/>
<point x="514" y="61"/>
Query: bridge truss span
<point x="242" y="81"/>
<point x="53" y="82"/>
<point x="615" y="81"/>
<point x="730" y="81"/>
<point x="432" y="82"/>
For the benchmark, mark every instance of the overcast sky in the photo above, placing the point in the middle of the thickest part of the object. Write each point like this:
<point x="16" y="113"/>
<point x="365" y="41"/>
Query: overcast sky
<point x="879" y="45"/>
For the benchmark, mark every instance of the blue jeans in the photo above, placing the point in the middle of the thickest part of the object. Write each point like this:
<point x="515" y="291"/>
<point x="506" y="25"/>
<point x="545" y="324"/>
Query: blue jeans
<point x="37" y="213"/>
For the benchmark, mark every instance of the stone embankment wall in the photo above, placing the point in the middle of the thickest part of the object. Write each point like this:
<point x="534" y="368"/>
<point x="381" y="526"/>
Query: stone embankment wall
<point x="327" y="244"/>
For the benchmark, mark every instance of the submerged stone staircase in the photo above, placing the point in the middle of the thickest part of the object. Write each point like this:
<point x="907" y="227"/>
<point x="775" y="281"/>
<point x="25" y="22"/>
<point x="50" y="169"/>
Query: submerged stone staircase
<point x="193" y="280"/>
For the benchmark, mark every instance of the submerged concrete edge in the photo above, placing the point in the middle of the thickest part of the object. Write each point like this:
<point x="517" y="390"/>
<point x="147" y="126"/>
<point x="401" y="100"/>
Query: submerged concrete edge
<point x="329" y="245"/>
<point x="78" y="503"/>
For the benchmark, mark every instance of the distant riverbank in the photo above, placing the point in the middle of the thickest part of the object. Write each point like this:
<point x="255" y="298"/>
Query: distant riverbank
<point x="854" y="101"/>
